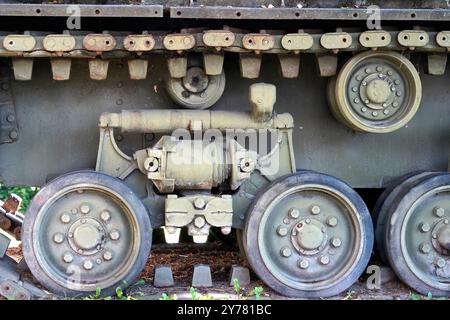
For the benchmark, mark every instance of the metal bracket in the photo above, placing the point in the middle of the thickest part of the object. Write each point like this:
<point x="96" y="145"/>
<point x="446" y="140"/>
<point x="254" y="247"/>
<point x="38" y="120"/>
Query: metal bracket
<point x="9" y="131"/>
<point x="13" y="291"/>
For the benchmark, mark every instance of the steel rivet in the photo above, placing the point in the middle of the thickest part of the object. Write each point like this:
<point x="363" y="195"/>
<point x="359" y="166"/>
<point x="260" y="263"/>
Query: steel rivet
<point x="286" y="221"/>
<point x="392" y="88"/>
<point x="424" y="227"/>
<point x="434" y="236"/>
<point x="68" y="258"/>
<point x="114" y="234"/>
<point x="282" y="231"/>
<point x="308" y="220"/>
<point x="58" y="238"/>
<point x="293" y="213"/>
<point x="304" y="264"/>
<point x="324" y="260"/>
<point x="105" y="215"/>
<point x="80" y="251"/>
<point x="11" y="118"/>
<point x="99" y="261"/>
<point x="83" y="220"/>
<point x="65" y="218"/>
<point x="107" y="255"/>
<point x="438" y="211"/>
<point x="85" y="208"/>
<point x="336" y="242"/>
<point x="286" y="252"/>
<point x="315" y="209"/>
<point x="374" y="113"/>
<point x="364" y="83"/>
<point x="359" y="78"/>
<point x="356" y="100"/>
<point x="88" y="265"/>
<point x="354" y="89"/>
<point x="380" y="76"/>
<point x="332" y="221"/>
<point x="363" y="109"/>
<point x="366" y="101"/>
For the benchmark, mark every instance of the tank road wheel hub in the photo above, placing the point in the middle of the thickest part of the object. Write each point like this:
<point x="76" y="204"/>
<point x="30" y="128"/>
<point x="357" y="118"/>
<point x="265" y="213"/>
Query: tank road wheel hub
<point x="196" y="90"/>
<point x="308" y="235"/>
<point x="83" y="233"/>
<point x="376" y="92"/>
<point x="418" y="236"/>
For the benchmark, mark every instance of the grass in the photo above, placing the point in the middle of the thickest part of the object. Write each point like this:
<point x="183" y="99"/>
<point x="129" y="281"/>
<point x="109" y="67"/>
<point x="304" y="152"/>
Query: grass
<point x="26" y="193"/>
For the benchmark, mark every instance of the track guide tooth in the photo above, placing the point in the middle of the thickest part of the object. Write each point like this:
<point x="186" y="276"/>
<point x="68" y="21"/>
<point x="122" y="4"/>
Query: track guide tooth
<point x="61" y="69"/>
<point x="23" y="68"/>
<point x="98" y="69"/>
<point x="137" y="68"/>
<point x="177" y="66"/>
<point x="213" y="63"/>
<point x="436" y="63"/>
<point x="250" y="65"/>
<point x="290" y="65"/>
<point x="172" y="234"/>
<point x="327" y="64"/>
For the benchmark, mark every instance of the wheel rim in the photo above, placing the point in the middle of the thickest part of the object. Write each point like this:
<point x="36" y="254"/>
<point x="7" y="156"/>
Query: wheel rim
<point x="196" y="90"/>
<point x="86" y="237"/>
<point x="310" y="238"/>
<point x="425" y="238"/>
<point x="377" y="92"/>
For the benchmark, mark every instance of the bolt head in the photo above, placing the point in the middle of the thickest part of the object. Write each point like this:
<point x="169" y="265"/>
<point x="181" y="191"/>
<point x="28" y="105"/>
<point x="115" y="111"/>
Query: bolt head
<point x="303" y="264"/>
<point x="424" y="227"/>
<point x="336" y="242"/>
<point x="282" y="231"/>
<point x="105" y="215"/>
<point x="98" y="261"/>
<point x="438" y="211"/>
<point x="324" y="260"/>
<point x="114" y="234"/>
<point x="199" y="203"/>
<point x="440" y="263"/>
<point x="85" y="208"/>
<point x="88" y="265"/>
<point x="315" y="209"/>
<point x="286" y="252"/>
<point x="107" y="255"/>
<point x="68" y="258"/>
<point x="199" y="222"/>
<point x="293" y="213"/>
<point x="58" y="238"/>
<point x="425" y="248"/>
<point x="332" y="221"/>
<point x="65" y="218"/>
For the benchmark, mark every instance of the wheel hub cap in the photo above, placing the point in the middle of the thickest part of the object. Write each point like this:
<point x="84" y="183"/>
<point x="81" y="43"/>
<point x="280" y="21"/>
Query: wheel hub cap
<point x="378" y="91"/>
<point x="444" y="238"/>
<point x="309" y="236"/>
<point x="195" y="80"/>
<point x="86" y="236"/>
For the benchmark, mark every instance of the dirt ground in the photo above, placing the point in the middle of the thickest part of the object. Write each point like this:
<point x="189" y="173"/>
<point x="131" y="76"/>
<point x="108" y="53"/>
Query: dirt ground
<point x="220" y="257"/>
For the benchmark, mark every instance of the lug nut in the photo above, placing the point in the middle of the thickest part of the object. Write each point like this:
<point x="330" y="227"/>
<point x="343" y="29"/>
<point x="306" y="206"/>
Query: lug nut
<point x="114" y="234"/>
<point x="286" y="252"/>
<point x="282" y="231"/>
<point x="440" y="263"/>
<point x="107" y="255"/>
<point x="332" y="221"/>
<point x="315" y="209"/>
<point x="105" y="215"/>
<point x="324" y="260"/>
<point x="58" y="238"/>
<point x="199" y="203"/>
<point x="85" y="208"/>
<point x="424" y="248"/>
<point x="199" y="222"/>
<point x="438" y="211"/>
<point x="424" y="227"/>
<point x="65" y="218"/>
<point x="304" y="264"/>
<point x="68" y="258"/>
<point x="88" y="265"/>
<point x="293" y="213"/>
<point x="336" y="242"/>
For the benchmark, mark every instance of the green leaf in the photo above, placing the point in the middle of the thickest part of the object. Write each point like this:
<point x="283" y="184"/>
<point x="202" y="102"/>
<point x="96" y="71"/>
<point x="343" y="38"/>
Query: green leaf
<point x="98" y="292"/>
<point x="141" y="282"/>
<point x="193" y="293"/>
<point x="236" y="286"/>
<point x="119" y="292"/>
